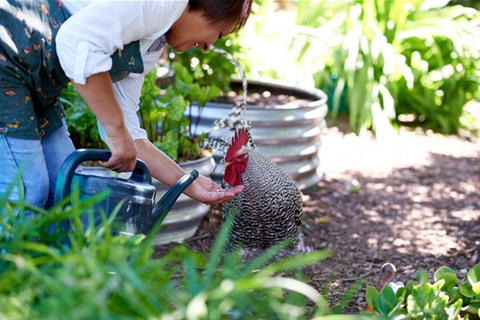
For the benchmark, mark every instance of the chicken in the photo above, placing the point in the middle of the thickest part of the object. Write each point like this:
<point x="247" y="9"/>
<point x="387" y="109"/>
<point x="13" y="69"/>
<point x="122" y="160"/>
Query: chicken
<point x="269" y="210"/>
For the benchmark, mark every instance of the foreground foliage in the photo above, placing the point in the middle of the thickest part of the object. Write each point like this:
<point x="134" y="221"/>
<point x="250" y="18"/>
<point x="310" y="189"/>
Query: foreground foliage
<point x="100" y="275"/>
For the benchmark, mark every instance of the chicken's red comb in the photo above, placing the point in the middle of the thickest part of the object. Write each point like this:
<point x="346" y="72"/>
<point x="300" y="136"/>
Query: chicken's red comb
<point x="240" y="139"/>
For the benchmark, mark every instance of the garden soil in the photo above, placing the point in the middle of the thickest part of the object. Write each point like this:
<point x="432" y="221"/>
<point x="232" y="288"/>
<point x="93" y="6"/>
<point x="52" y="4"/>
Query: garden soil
<point x="412" y="200"/>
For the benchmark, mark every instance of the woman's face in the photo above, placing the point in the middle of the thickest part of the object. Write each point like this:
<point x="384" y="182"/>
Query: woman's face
<point x="193" y="30"/>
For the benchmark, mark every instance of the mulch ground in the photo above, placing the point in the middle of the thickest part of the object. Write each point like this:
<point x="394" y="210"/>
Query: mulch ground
<point x="412" y="200"/>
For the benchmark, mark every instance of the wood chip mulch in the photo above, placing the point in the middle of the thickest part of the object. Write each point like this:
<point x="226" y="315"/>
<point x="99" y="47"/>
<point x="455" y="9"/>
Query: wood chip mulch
<point x="412" y="200"/>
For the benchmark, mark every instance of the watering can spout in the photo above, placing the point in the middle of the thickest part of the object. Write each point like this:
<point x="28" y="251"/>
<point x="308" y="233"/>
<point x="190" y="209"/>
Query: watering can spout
<point x="162" y="207"/>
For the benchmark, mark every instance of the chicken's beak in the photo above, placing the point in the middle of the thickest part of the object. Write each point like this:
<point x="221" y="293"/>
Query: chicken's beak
<point x="226" y="164"/>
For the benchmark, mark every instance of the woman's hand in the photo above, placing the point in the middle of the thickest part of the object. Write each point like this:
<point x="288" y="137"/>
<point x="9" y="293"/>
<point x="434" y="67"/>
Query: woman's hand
<point x="205" y="190"/>
<point x="124" y="151"/>
<point x="163" y="168"/>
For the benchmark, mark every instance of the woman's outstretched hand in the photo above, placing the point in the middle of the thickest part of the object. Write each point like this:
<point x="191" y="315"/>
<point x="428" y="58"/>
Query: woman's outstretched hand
<point x="205" y="190"/>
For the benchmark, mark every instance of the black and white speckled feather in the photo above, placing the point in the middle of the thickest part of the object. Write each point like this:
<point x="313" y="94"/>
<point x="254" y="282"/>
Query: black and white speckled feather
<point x="268" y="211"/>
<point x="234" y="122"/>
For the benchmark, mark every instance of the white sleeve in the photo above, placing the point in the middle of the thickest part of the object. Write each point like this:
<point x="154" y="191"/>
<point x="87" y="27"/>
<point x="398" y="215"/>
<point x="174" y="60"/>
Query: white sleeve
<point x="97" y="29"/>
<point x="91" y="35"/>
<point x="127" y="92"/>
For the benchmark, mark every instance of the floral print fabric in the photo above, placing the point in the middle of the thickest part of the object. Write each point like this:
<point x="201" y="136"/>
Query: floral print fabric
<point x="31" y="78"/>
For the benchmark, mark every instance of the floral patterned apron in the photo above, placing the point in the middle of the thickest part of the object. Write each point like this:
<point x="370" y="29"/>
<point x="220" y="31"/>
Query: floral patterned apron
<point x="31" y="78"/>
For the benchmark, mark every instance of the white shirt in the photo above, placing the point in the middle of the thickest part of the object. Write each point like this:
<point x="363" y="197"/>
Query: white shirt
<point x="98" y="28"/>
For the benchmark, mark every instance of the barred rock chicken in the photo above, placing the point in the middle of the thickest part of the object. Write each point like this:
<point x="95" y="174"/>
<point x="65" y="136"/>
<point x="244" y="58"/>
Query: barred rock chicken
<point x="269" y="210"/>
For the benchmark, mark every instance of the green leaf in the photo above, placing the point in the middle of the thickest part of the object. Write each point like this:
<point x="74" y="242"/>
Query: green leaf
<point x="448" y="275"/>
<point x="436" y="287"/>
<point x="473" y="276"/>
<point x="389" y="299"/>
<point x="372" y="297"/>
<point x="413" y="307"/>
<point x="183" y="88"/>
<point x="422" y="277"/>
<point x="181" y="73"/>
<point x="466" y="290"/>
<point x="206" y="94"/>
<point x="177" y="108"/>
<point x="169" y="144"/>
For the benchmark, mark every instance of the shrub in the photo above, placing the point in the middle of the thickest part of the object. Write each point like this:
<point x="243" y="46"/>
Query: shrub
<point x="81" y="122"/>
<point x="442" y="299"/>
<point x="383" y="62"/>
<point x="101" y="275"/>
<point x="165" y="117"/>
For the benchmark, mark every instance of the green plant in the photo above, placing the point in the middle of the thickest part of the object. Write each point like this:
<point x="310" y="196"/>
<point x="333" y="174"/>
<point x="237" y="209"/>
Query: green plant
<point x="443" y="299"/>
<point x="440" y="71"/>
<point x="405" y="58"/>
<point x="165" y="117"/>
<point x="381" y="61"/>
<point x="108" y="276"/>
<point x="170" y="115"/>
<point x="210" y="67"/>
<point x="81" y="122"/>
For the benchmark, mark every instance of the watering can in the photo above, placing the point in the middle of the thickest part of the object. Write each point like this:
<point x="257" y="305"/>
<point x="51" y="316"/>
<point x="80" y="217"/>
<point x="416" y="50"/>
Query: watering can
<point x="134" y="197"/>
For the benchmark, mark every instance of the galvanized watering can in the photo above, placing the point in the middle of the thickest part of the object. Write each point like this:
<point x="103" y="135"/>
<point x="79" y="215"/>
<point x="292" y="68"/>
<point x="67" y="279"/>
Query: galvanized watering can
<point x="135" y="196"/>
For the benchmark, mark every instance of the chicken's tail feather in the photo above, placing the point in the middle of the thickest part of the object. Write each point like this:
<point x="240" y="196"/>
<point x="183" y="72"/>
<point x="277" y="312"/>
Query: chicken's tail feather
<point x="235" y="122"/>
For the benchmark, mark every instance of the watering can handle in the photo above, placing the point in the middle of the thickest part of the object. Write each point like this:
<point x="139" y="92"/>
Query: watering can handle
<point x="65" y="175"/>
<point x="163" y="206"/>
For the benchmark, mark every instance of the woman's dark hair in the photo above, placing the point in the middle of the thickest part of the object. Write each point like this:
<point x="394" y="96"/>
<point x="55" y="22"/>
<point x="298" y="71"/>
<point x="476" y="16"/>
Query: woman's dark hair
<point x="236" y="11"/>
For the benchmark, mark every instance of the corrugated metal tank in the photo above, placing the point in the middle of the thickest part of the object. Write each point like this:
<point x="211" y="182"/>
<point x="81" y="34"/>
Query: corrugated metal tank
<point x="290" y="134"/>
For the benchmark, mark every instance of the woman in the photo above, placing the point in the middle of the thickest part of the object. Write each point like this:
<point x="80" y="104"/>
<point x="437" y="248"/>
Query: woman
<point x="104" y="48"/>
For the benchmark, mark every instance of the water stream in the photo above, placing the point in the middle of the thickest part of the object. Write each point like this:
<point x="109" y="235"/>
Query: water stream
<point x="241" y="73"/>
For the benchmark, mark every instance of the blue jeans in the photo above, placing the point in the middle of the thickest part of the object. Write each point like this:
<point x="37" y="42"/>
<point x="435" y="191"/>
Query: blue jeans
<point x="30" y="167"/>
